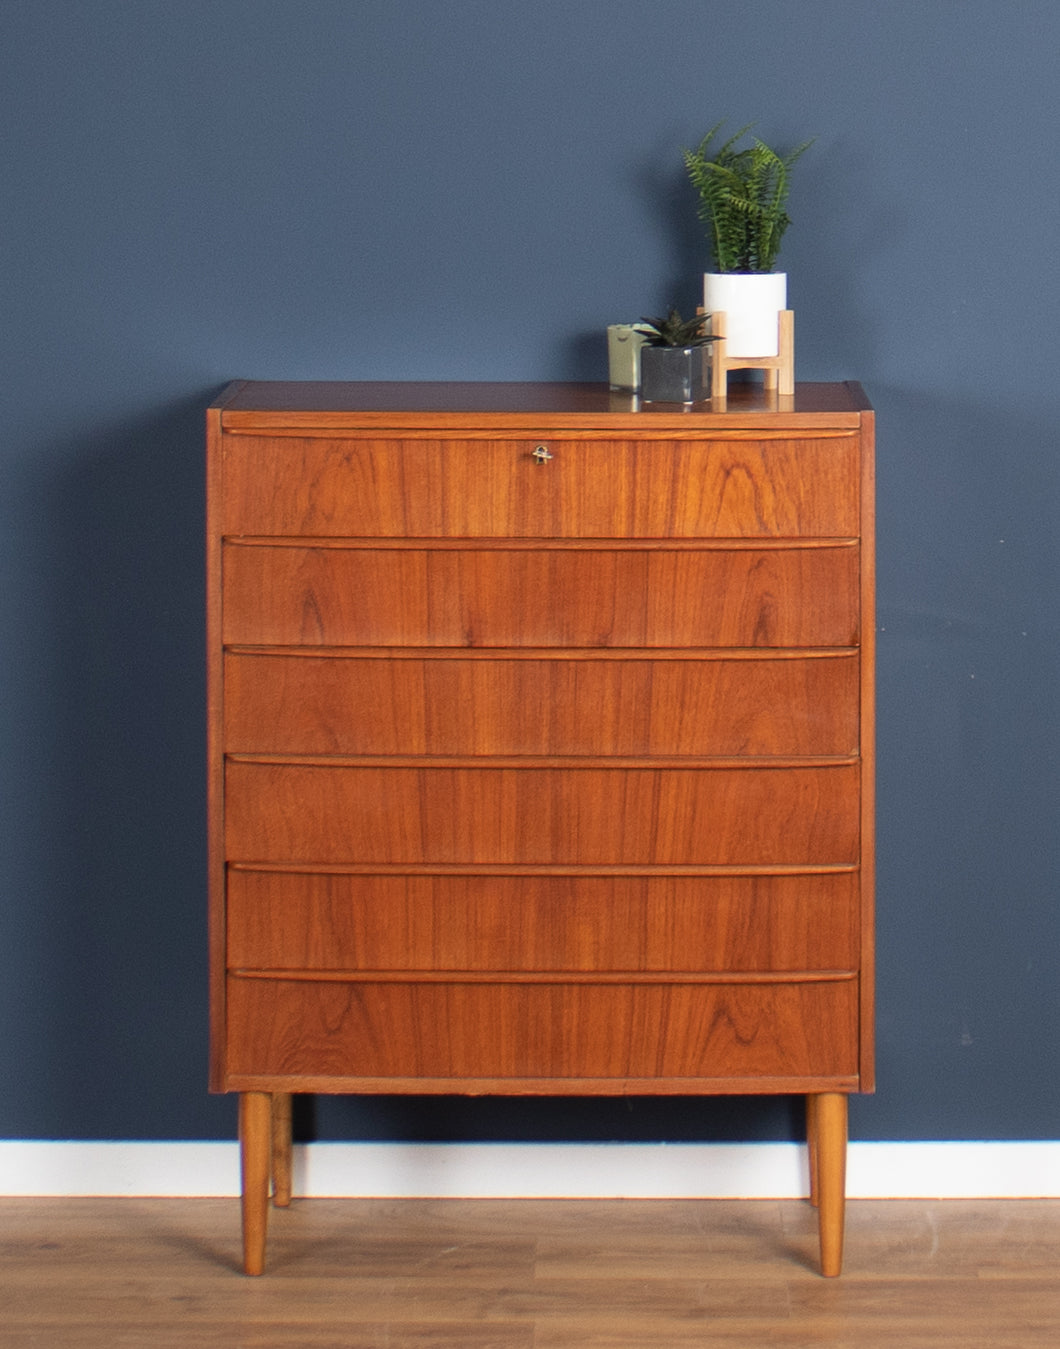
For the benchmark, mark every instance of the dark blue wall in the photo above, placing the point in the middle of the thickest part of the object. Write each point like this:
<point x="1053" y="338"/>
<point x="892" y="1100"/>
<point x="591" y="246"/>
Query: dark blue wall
<point x="210" y="189"/>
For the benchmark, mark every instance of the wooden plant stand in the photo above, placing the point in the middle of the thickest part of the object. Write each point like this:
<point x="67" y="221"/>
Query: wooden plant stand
<point x="779" y="370"/>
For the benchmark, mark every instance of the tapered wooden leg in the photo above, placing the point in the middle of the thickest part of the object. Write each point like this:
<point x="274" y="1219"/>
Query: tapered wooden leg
<point x="281" y="1148"/>
<point x="811" y="1145"/>
<point x="255" y="1146"/>
<point x="831" y="1132"/>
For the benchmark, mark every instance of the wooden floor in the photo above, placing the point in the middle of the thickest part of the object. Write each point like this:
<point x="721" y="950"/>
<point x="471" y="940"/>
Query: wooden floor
<point x="404" y="1274"/>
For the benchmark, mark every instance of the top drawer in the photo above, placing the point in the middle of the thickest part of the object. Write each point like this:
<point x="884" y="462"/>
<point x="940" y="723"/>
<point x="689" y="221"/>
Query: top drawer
<point x="723" y="487"/>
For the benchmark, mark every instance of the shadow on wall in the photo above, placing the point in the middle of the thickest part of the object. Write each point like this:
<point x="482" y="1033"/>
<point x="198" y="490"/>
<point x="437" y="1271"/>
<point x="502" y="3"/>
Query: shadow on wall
<point x="119" y="920"/>
<point x="968" y="674"/>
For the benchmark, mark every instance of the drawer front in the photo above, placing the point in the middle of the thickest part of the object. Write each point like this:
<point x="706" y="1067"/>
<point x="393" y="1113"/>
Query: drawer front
<point x="300" y="704"/>
<point x="434" y="488"/>
<point x="597" y="816"/>
<point x="338" y="921"/>
<point x="543" y="1031"/>
<point x="496" y="597"/>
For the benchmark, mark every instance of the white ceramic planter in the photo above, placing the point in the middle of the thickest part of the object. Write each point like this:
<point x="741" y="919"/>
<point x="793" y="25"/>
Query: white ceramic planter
<point x="751" y="302"/>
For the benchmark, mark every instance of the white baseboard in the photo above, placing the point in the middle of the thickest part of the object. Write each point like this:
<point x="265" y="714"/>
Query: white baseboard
<point x="1017" y="1170"/>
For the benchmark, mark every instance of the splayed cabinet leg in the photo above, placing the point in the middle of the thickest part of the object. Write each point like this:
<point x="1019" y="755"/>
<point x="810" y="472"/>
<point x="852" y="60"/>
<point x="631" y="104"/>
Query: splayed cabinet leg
<point x="255" y="1146"/>
<point x="811" y="1145"/>
<point x="281" y="1148"/>
<point x="828" y="1128"/>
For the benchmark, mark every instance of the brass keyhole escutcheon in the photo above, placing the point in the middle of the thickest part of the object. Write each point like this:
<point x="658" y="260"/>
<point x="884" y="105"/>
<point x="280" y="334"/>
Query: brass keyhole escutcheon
<point x="541" y="454"/>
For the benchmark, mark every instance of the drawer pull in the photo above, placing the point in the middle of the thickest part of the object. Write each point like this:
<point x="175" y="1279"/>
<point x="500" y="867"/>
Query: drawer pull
<point x="542" y="454"/>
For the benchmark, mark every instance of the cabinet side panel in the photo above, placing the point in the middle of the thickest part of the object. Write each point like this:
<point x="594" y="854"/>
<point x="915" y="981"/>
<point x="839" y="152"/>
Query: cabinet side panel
<point x="868" y="752"/>
<point x="215" y="749"/>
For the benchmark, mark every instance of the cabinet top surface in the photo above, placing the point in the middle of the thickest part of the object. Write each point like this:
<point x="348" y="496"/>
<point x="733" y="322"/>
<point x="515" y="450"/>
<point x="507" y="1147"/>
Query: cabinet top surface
<point x="292" y="403"/>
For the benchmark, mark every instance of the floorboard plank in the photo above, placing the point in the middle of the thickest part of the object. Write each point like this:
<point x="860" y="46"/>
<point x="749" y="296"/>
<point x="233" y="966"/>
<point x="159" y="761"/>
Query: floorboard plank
<point x="528" y="1274"/>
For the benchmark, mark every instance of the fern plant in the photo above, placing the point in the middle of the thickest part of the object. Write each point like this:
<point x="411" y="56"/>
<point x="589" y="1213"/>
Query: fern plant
<point x="742" y="199"/>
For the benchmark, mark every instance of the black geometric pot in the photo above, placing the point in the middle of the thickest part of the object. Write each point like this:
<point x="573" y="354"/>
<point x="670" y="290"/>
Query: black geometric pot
<point x="674" y="374"/>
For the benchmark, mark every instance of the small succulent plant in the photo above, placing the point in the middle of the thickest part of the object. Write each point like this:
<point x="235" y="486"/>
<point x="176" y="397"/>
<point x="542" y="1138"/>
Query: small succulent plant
<point x="674" y="331"/>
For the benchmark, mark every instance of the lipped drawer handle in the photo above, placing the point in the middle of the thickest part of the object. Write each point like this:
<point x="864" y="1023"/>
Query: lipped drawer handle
<point x="541" y="454"/>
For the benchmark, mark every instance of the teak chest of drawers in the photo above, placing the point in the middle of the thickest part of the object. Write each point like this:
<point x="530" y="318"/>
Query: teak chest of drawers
<point x="541" y="751"/>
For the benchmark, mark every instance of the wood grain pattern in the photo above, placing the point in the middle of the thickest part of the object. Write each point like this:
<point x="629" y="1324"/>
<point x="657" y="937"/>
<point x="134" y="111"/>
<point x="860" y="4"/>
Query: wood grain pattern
<point x="337" y="921"/>
<point x="255" y="1153"/>
<point x="829" y="1143"/>
<point x="318" y="812"/>
<point x="541" y="596"/>
<point x="515" y="1274"/>
<point x="483" y="488"/>
<point x="868" y="751"/>
<point x="465" y="1031"/>
<point x="415" y="704"/>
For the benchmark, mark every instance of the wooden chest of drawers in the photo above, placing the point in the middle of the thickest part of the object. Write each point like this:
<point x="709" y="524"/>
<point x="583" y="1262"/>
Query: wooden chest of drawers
<point x="540" y="751"/>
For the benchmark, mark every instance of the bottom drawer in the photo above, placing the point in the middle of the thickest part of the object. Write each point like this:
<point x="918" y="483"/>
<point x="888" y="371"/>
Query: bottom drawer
<point x="492" y="1030"/>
